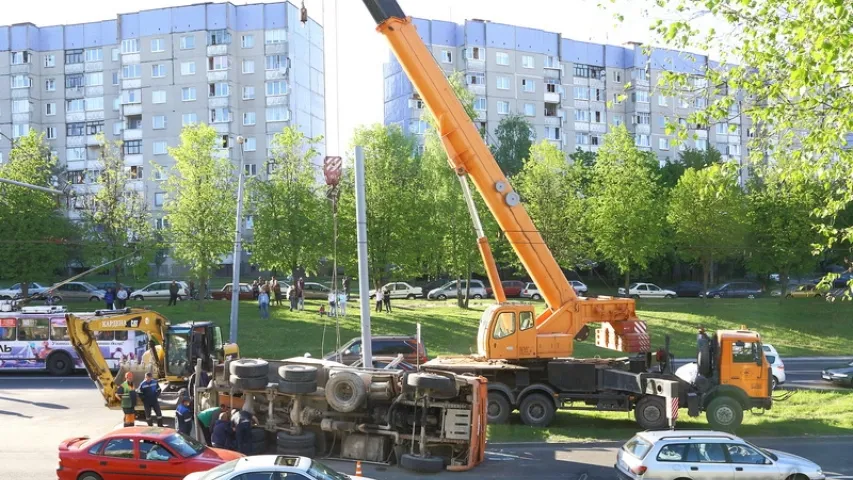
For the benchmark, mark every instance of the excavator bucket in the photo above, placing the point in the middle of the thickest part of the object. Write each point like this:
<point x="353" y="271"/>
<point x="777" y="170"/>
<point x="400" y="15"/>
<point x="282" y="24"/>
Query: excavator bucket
<point x="627" y="336"/>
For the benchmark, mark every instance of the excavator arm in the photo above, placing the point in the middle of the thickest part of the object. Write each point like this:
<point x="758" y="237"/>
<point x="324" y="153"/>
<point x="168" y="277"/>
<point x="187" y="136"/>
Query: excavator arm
<point x="82" y="328"/>
<point x="507" y="330"/>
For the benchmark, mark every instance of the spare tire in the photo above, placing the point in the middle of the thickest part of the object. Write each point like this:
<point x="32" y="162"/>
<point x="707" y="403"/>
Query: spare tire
<point x="438" y="386"/>
<point x="422" y="464"/>
<point x="240" y="383"/>
<point x="287" y="386"/>
<point x="703" y="361"/>
<point x="306" y="439"/>
<point x="259" y="435"/>
<point x="249" y="368"/>
<point x="298" y="373"/>
<point x="345" y="392"/>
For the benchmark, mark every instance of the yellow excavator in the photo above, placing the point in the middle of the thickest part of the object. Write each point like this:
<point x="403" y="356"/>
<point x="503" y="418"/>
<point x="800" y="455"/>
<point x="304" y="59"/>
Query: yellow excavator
<point x="173" y="350"/>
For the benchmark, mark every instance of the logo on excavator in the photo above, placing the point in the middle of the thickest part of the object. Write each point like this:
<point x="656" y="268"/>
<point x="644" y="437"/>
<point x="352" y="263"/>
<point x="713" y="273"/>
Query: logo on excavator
<point x="132" y="323"/>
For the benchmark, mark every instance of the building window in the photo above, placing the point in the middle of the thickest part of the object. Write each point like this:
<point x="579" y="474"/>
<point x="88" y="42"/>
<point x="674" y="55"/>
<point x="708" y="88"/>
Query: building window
<point x="133" y="147"/>
<point x="640" y="74"/>
<point x="617" y="98"/>
<point x="94" y="128"/>
<point x="217" y="63"/>
<point x="734" y="129"/>
<point x="617" y="76"/>
<point x="94" y="79"/>
<point x="552" y="133"/>
<point x="158" y="70"/>
<point x="76" y="129"/>
<point x="76" y="105"/>
<point x="93" y="104"/>
<point x="734" y="150"/>
<point x="189" y="119"/>
<point x="581" y="139"/>
<point x="131" y="96"/>
<point x="116" y="104"/>
<point x="115" y="54"/>
<point x="418" y="127"/>
<point x="700" y="102"/>
<point x="275" y="36"/>
<point x="617" y="120"/>
<point x="642" y="140"/>
<point x="277" y="114"/>
<point x="251" y="144"/>
<point x="529" y="109"/>
<point x="73" y="56"/>
<point x="250" y="169"/>
<point x="643" y="119"/>
<point x="502" y="58"/>
<point x="20" y="106"/>
<point x="50" y="133"/>
<point x="72" y="154"/>
<point x="20" y="58"/>
<point x="552" y="62"/>
<point x="640" y="96"/>
<point x="159" y="198"/>
<point x="249" y="118"/>
<point x="276" y="88"/>
<point x="663" y="143"/>
<point x="221" y="89"/>
<point x="527" y="61"/>
<point x="446" y="56"/>
<point x="158" y="122"/>
<point x="159" y="174"/>
<point x="131" y="71"/>
<point x="117" y="126"/>
<point x="502" y="82"/>
<point x="475" y="79"/>
<point x="20" y="129"/>
<point x="187" y="42"/>
<point x="248" y="93"/>
<point x="160" y="223"/>
<point x="598" y="117"/>
<point x="74" y="81"/>
<point x="701" y="144"/>
<point x="218" y="37"/>
<point x="158" y="45"/>
<point x="581" y="93"/>
<point x="115" y="78"/>
<point x="588" y="71"/>
<point x="276" y="62"/>
<point x="160" y="148"/>
<point x="528" y="85"/>
<point x="581" y="115"/>
<point x="188" y="68"/>
<point x="700" y="82"/>
<point x="49" y="61"/>
<point x="662" y="101"/>
<point x="130" y="45"/>
<point x="247" y="41"/>
<point x="220" y="115"/>
<point x="503" y="107"/>
<point x="188" y="94"/>
<point x="248" y="66"/>
<point x="23" y="81"/>
<point x="50" y="109"/>
<point x="158" y="96"/>
<point x="481" y="104"/>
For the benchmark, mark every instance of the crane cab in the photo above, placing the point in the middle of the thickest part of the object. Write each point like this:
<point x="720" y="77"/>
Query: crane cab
<point x="187" y="342"/>
<point x="507" y="331"/>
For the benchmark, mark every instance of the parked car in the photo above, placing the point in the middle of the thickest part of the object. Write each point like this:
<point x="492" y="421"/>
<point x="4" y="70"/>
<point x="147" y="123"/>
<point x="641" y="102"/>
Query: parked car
<point x="316" y="291"/>
<point x="512" y="289"/>
<point x="841" y="375"/>
<point x="843" y="280"/>
<point x="400" y="290"/>
<point x="123" y="453"/>
<point x="579" y="286"/>
<point x="160" y="290"/>
<point x="382" y="346"/>
<point x="448" y="290"/>
<point x="272" y="467"/>
<point x="688" y="289"/>
<point x="384" y="361"/>
<point x="777" y="367"/>
<point x="646" y="290"/>
<point x="531" y="291"/>
<point x="105" y="285"/>
<point x="80" y="291"/>
<point x="15" y="291"/>
<point x="736" y="290"/>
<point x="806" y="290"/>
<point x="701" y="454"/>
<point x="225" y="294"/>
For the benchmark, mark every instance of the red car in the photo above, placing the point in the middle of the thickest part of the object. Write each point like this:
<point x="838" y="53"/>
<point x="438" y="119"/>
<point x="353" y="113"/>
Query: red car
<point x="512" y="289"/>
<point x="137" y="453"/>
<point x="225" y="293"/>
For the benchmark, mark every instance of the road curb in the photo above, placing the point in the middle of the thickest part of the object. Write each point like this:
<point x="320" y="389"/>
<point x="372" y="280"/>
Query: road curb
<point x="791" y="359"/>
<point x="620" y="442"/>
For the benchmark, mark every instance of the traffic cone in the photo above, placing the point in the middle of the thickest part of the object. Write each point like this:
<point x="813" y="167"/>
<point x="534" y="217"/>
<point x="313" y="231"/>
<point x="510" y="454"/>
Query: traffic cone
<point x="358" y="469"/>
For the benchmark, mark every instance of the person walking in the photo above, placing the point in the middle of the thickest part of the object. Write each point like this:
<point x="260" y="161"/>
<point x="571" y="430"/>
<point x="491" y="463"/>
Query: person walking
<point x="379" y="299"/>
<point x="300" y="293"/>
<point x="126" y="394"/>
<point x="205" y="420"/>
<point x="276" y="290"/>
<point x="386" y="299"/>
<point x="264" y="302"/>
<point x="109" y="298"/>
<point x="121" y="296"/>
<point x="173" y="293"/>
<point x="184" y="416"/>
<point x="149" y="390"/>
<point x="222" y="432"/>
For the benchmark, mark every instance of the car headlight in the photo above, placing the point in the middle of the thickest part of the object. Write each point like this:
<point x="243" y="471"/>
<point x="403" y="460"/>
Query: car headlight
<point x="839" y="375"/>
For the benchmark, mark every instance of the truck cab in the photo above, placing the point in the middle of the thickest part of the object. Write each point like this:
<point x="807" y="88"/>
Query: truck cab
<point x="742" y="363"/>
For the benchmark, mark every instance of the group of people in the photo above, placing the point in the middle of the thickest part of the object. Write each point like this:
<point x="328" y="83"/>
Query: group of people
<point x="383" y="298"/>
<point x="115" y="298"/>
<point x="221" y="427"/>
<point x="265" y="292"/>
<point x="149" y="391"/>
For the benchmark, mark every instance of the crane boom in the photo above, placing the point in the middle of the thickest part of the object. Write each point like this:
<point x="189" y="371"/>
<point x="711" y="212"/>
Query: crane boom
<point x="506" y="330"/>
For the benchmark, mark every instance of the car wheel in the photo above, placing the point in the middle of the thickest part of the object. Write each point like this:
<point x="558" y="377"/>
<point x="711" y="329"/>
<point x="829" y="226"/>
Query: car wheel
<point x="93" y="299"/>
<point x="55" y="299"/>
<point x="635" y="297"/>
<point x="89" y="476"/>
<point x="774" y="383"/>
<point x="139" y="298"/>
<point x="717" y="296"/>
<point x="668" y="296"/>
<point x="536" y="296"/>
<point x="410" y="296"/>
<point x="750" y="296"/>
<point x="442" y="297"/>
<point x="791" y="296"/>
<point x="477" y="296"/>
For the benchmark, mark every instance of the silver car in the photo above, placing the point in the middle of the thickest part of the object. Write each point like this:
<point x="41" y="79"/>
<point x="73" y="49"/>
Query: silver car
<point x="706" y="455"/>
<point x="449" y="290"/>
<point x="80" y="291"/>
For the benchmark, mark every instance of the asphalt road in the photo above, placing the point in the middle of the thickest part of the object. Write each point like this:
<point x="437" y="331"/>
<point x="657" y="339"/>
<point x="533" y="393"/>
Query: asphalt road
<point x="37" y="412"/>
<point x="804" y="373"/>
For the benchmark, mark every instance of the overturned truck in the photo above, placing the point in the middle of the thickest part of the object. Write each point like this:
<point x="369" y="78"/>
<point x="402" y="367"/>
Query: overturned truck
<point x="426" y="422"/>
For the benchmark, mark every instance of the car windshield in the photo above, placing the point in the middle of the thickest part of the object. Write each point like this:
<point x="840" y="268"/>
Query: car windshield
<point x="321" y="472"/>
<point x="185" y="446"/>
<point x="88" y="286"/>
<point x="632" y="286"/>
<point x="763" y="450"/>
<point x="220" y="471"/>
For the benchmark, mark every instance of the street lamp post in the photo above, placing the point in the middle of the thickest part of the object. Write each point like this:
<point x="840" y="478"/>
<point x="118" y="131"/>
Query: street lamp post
<point x="238" y="248"/>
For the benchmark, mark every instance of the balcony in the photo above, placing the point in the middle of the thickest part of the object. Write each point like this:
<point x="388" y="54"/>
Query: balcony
<point x="553" y="120"/>
<point x="136" y="185"/>
<point x="134" y="159"/>
<point x="74" y="92"/>
<point x="273" y="48"/>
<point x="735" y="119"/>
<point x="701" y="133"/>
<point x="74" y="68"/>
<point x="21" y="117"/>
<point x="94" y="66"/>
<point x="131" y="83"/>
<point x="553" y="72"/>
<point x="22" y="68"/>
<point x="218" y="102"/>
<point x="596" y="83"/>
<point x="217" y="76"/>
<point x="75" y="117"/>
<point x="581" y="104"/>
<point x="222" y="152"/>
<point x="475" y="64"/>
<point x="644" y="129"/>
<point x="213" y="50"/>
<point x="278" y="100"/>
<point x="642" y="107"/>
<point x="581" y="126"/>
<point x="130" y="58"/>
<point x="477" y="88"/>
<point x="97" y="91"/>
<point x="598" y="127"/>
<point x="20" y="93"/>
<point x="278" y="74"/>
<point x="552" y="97"/>
<point x="76" y="165"/>
<point x="131" y="109"/>
<point x="556" y="143"/>
<point x="75" y="141"/>
<point x="222" y="127"/>
<point x="95" y="115"/>
<point x="132" y="134"/>
<point x="92" y="141"/>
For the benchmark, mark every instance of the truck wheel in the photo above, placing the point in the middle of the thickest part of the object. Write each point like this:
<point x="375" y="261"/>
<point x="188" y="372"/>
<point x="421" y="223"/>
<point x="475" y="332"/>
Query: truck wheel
<point x="240" y="383"/>
<point x="249" y="368"/>
<point x="499" y="408"/>
<point x="650" y="413"/>
<point x="286" y="440"/>
<point x="259" y="435"/>
<point x="537" y="410"/>
<point x="724" y="413"/>
<point x="422" y="464"/>
<point x="703" y="361"/>
<point x="297" y="373"/>
<point x="345" y="392"/>
<point x="60" y="364"/>
<point x="287" y="386"/>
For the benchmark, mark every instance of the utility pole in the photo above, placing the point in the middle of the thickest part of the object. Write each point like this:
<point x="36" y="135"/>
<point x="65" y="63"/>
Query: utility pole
<point x="363" y="281"/>
<point x="238" y="248"/>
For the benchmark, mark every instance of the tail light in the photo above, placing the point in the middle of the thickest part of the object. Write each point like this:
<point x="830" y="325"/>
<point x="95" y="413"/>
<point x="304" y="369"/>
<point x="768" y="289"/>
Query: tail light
<point x="638" y="470"/>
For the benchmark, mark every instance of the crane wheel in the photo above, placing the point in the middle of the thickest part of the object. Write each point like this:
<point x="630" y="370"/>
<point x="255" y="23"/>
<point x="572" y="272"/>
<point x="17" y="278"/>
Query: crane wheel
<point x="537" y="410"/>
<point x="650" y="413"/>
<point x="498" y="409"/>
<point x="421" y="464"/>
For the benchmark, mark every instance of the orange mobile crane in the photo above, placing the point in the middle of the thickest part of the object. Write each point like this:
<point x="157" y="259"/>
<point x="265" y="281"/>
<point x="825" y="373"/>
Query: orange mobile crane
<point x="524" y="355"/>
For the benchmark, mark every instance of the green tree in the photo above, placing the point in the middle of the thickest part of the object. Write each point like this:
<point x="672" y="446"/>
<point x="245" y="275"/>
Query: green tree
<point x="625" y="216"/>
<point x="200" y="203"/>
<point x="32" y="226"/>
<point x="512" y="143"/>
<point x="690" y="158"/>
<point x="291" y="217"/>
<point x="552" y="191"/>
<point x="114" y="216"/>
<point x="708" y="215"/>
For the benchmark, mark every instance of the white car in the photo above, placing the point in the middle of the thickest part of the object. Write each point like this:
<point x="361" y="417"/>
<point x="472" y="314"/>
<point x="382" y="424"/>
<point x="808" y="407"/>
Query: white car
<point x="646" y="290"/>
<point x="580" y="287"/>
<point x="777" y="367"/>
<point x="448" y="290"/>
<point x="15" y="290"/>
<point x="531" y="291"/>
<point x="271" y="467"/>
<point x="400" y="290"/>
<point x="160" y="290"/>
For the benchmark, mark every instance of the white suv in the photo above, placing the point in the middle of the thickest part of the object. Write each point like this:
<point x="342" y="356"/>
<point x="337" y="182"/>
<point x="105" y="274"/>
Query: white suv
<point x="531" y="291"/>
<point x="776" y="364"/>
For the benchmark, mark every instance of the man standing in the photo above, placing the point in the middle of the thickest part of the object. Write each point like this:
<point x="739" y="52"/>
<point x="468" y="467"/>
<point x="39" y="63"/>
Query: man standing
<point x="205" y="420"/>
<point x="149" y="390"/>
<point x="345" y="284"/>
<point x="184" y="416"/>
<point x="109" y="298"/>
<point x="127" y="396"/>
<point x="173" y="293"/>
<point x="121" y="297"/>
<point x="702" y="339"/>
<point x="300" y="292"/>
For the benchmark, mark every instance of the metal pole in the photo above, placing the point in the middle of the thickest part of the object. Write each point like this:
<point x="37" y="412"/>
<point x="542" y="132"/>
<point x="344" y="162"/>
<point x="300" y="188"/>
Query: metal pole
<point x="363" y="281"/>
<point x="238" y="247"/>
<point x="53" y="191"/>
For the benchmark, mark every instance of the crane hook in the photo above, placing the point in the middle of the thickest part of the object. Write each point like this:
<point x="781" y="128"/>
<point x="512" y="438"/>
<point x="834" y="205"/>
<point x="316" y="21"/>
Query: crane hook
<point x="303" y="14"/>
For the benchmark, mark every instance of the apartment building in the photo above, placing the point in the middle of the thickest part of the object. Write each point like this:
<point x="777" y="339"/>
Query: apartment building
<point x="572" y="92"/>
<point x="246" y="70"/>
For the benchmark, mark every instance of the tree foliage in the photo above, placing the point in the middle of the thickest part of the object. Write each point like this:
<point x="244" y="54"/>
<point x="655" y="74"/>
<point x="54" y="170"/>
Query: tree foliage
<point x="200" y="202"/>
<point x="292" y="220"/>
<point x="690" y="158"/>
<point x="512" y="142"/>
<point x="625" y="216"/>
<point x="32" y="226"/>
